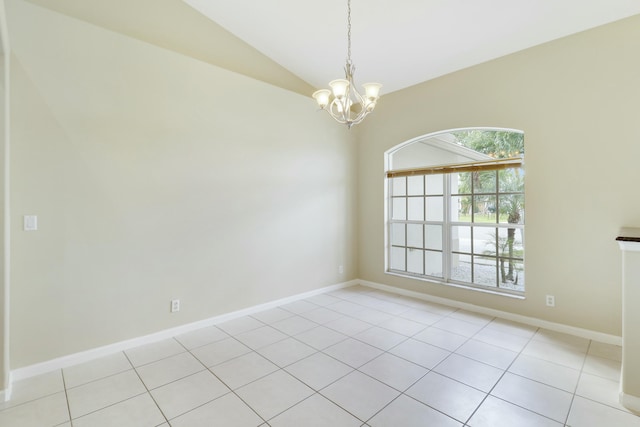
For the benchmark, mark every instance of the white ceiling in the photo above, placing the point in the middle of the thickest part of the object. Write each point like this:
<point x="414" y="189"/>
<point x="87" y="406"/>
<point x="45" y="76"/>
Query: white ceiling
<point x="400" y="43"/>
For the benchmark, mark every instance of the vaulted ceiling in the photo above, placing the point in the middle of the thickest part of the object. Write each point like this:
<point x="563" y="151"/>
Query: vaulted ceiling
<point x="403" y="42"/>
<point x="303" y="44"/>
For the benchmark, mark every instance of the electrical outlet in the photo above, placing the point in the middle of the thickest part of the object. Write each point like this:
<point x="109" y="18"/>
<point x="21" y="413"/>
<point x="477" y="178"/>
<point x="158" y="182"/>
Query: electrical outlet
<point x="551" y="301"/>
<point x="340" y="269"/>
<point x="30" y="222"/>
<point x="175" y="305"/>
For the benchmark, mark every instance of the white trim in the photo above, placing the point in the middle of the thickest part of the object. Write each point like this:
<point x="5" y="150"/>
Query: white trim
<point x="85" y="356"/>
<point x="630" y="402"/>
<point x="88" y="355"/>
<point x="387" y="165"/>
<point x="505" y="293"/>
<point x="629" y="246"/>
<point x="558" y="327"/>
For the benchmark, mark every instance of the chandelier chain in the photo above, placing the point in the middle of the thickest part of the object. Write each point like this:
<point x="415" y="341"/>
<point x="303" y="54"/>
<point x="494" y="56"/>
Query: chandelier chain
<point x="349" y="31"/>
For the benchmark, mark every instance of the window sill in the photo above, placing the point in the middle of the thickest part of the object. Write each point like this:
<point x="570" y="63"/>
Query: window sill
<point x="502" y="293"/>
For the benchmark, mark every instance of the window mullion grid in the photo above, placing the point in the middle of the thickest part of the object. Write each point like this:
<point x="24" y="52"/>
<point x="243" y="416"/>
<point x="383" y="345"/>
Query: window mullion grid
<point x="447" y="227"/>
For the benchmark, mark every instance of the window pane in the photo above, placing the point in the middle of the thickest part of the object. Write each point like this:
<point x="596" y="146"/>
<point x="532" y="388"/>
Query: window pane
<point x="435" y="209"/>
<point x="414" y="235"/>
<point x="416" y="209"/>
<point x="415" y="185"/>
<point x="512" y="275"/>
<point x="511" y="180"/>
<point x="461" y="208"/>
<point x="397" y="234"/>
<point x="484" y="241"/>
<point x="461" y="183"/>
<point x="433" y="237"/>
<point x="397" y="259"/>
<point x="399" y="186"/>
<point x="399" y="208"/>
<point x="484" y="271"/>
<point x="461" y="239"/>
<point x="415" y="261"/>
<point x="433" y="263"/>
<point x="511" y="208"/>
<point x="484" y="182"/>
<point x="510" y="243"/>
<point x="435" y="184"/>
<point x="461" y="267"/>
<point x="484" y="209"/>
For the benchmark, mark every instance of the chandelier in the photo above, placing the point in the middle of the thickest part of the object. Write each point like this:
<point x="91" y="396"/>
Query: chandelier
<point x="343" y="102"/>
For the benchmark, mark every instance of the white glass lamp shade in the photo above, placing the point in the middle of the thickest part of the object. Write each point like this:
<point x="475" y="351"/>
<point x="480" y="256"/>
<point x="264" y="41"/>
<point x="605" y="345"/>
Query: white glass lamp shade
<point x="322" y="97"/>
<point x="372" y="90"/>
<point x="340" y="88"/>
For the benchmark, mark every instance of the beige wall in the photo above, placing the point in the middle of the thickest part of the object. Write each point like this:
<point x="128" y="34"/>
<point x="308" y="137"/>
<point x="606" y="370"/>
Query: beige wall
<point x="174" y="25"/>
<point x="576" y="99"/>
<point x="156" y="176"/>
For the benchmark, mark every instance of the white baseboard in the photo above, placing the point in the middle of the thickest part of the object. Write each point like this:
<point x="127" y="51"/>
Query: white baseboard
<point x="88" y="355"/>
<point x="630" y="402"/>
<point x="558" y="327"/>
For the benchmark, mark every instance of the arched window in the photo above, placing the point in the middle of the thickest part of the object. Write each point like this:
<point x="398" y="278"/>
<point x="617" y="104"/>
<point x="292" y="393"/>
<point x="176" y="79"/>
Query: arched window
<point x="455" y="209"/>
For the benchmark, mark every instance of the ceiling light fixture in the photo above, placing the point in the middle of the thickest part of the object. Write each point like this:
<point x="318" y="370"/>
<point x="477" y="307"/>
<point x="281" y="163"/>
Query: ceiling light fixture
<point x="347" y="106"/>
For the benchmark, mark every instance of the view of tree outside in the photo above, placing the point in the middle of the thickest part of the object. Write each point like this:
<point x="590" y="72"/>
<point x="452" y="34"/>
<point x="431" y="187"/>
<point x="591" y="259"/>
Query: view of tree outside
<point x="496" y="196"/>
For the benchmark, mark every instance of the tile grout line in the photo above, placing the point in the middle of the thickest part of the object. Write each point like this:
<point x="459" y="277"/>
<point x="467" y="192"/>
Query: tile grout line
<point x="575" y="389"/>
<point x="548" y="385"/>
<point x="575" y="393"/>
<point x="110" y="405"/>
<point x="255" y="350"/>
<point x="147" y="388"/>
<point x="316" y="352"/>
<point x="66" y="396"/>
<point x="387" y="351"/>
<point x="101" y="378"/>
<point x="499" y="379"/>
<point x="206" y="368"/>
<point x="451" y="352"/>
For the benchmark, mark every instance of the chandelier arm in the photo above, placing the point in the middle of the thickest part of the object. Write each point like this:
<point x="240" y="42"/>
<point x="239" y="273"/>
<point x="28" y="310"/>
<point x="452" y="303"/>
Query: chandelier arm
<point x="334" y="111"/>
<point x="358" y="97"/>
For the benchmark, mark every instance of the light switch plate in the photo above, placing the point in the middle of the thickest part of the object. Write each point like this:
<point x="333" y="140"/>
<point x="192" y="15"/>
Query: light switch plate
<point x="30" y="222"/>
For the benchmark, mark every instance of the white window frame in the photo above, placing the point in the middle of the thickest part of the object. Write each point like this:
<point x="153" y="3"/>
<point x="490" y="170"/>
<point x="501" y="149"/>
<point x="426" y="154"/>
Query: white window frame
<point x="447" y="227"/>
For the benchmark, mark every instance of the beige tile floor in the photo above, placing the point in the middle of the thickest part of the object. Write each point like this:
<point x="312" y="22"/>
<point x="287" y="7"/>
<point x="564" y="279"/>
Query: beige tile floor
<point x="353" y="357"/>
